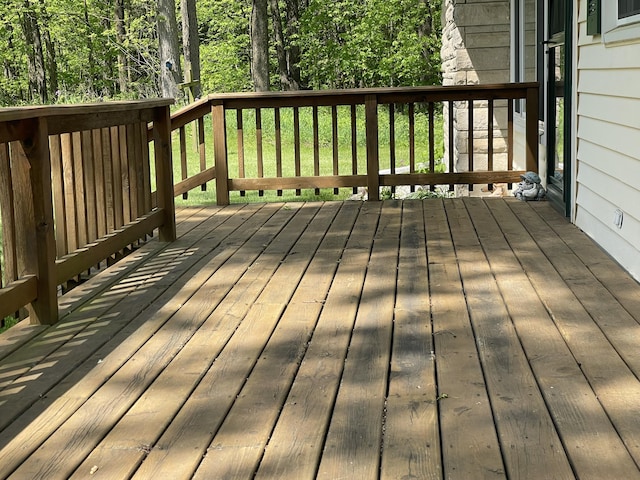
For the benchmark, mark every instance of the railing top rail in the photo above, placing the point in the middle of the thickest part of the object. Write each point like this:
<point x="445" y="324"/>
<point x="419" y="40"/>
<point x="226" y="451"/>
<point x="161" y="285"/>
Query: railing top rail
<point x="9" y="114"/>
<point x="73" y="118"/>
<point x="357" y="95"/>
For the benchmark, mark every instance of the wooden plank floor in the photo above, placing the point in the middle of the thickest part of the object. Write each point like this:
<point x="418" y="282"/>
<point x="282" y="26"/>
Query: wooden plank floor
<point x="457" y="338"/>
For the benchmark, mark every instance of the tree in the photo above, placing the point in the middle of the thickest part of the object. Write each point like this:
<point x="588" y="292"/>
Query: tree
<point x="35" y="54"/>
<point x="378" y="43"/>
<point x="191" y="42"/>
<point x="168" y="50"/>
<point x="121" y="34"/>
<point x="259" y="46"/>
<point x="225" y="45"/>
<point x="88" y="49"/>
<point x="287" y="53"/>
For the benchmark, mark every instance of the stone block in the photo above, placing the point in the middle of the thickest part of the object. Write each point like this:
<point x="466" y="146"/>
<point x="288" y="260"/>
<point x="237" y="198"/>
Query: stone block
<point x="488" y="39"/>
<point x="488" y="77"/>
<point x="482" y="13"/>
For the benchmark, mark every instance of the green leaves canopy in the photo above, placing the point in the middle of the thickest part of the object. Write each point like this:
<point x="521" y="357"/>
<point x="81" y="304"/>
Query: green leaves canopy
<point x="342" y="43"/>
<point x="372" y="43"/>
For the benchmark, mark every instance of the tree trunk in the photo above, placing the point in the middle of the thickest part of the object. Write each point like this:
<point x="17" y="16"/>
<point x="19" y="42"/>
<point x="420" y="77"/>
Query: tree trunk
<point x="37" y="75"/>
<point x="283" y="71"/>
<point x="293" y="51"/>
<point x="11" y="71"/>
<point x="169" y="52"/>
<point x="121" y="34"/>
<point x="52" y="65"/>
<point x="191" y="44"/>
<point x="259" y="46"/>
<point x="91" y="60"/>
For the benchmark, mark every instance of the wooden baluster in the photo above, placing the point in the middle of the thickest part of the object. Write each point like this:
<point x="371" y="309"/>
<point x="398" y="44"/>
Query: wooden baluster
<point x="116" y="162"/>
<point x="70" y="212"/>
<point x="432" y="141"/>
<point x="490" y="139"/>
<point x="452" y="167"/>
<point x="7" y="213"/>
<point x="392" y="142"/>
<point x="470" y="139"/>
<point x="79" y="188"/>
<point x="296" y="144"/>
<point x="412" y="142"/>
<point x="373" y="161"/>
<point x="125" y="153"/>
<point x="354" y="144"/>
<point x="146" y="168"/>
<point x="183" y="157"/>
<point x="276" y="115"/>
<point x="57" y="181"/>
<point x="202" y="150"/>
<point x="240" y="135"/>
<point x="90" y="208"/>
<point x="334" y="137"/>
<point x="108" y="179"/>
<point x="101" y="212"/>
<point x="139" y="168"/>
<point x="316" y="147"/>
<point x="510" y="137"/>
<point x="259" y="154"/>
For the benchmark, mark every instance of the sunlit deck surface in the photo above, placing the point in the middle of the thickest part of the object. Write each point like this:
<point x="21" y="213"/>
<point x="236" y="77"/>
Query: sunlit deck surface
<point x="451" y="338"/>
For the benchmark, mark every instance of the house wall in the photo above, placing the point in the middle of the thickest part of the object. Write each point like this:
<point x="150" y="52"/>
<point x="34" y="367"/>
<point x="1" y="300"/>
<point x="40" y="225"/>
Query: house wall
<point x="607" y="153"/>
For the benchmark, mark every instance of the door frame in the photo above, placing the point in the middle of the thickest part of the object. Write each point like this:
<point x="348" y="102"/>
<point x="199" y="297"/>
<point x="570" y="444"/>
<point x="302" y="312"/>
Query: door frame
<point x="560" y="198"/>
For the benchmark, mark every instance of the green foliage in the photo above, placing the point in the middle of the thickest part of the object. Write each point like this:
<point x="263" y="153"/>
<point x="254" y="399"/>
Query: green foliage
<point x="325" y="140"/>
<point x="375" y="43"/>
<point x="342" y="43"/>
<point x="224" y="45"/>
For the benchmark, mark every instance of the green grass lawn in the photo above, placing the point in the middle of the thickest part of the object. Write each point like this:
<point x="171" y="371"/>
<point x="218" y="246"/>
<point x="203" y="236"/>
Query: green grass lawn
<point x="325" y="141"/>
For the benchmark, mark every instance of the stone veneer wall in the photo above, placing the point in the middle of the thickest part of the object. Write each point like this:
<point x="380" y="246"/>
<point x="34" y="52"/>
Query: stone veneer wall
<point x="476" y="50"/>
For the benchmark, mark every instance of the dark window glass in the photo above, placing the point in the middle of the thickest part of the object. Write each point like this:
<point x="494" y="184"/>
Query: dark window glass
<point x="628" y="8"/>
<point x="557" y="9"/>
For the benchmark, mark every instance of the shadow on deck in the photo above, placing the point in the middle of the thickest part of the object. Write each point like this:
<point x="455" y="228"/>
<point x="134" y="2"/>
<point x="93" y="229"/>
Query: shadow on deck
<point x="457" y="338"/>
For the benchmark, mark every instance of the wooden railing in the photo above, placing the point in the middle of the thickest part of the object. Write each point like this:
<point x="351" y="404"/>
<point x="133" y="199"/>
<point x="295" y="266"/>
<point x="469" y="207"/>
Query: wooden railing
<point x="486" y="163"/>
<point x="75" y="189"/>
<point x="76" y="181"/>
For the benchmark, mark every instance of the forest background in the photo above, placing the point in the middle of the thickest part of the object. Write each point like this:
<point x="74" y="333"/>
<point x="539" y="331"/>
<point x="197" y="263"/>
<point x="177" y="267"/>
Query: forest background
<point x="67" y="51"/>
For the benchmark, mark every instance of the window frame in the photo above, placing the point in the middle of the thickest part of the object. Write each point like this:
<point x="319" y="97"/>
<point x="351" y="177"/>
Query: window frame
<point x="617" y="29"/>
<point x="635" y="17"/>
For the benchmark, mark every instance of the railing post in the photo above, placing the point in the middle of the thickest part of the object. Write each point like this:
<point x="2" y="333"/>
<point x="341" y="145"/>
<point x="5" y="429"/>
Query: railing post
<point x="532" y="139"/>
<point x="220" y="153"/>
<point x="164" y="171"/>
<point x="373" y="162"/>
<point x="44" y="310"/>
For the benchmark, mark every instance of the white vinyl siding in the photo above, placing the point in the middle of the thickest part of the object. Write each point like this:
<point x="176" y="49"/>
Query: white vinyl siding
<point x="608" y="143"/>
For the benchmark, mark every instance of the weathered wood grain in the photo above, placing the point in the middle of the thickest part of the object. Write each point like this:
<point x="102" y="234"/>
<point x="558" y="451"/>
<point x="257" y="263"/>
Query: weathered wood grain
<point x="453" y="338"/>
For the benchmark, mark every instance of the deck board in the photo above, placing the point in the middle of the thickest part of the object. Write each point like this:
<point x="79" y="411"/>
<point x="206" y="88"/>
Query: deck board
<point x="456" y="338"/>
<point x="411" y="432"/>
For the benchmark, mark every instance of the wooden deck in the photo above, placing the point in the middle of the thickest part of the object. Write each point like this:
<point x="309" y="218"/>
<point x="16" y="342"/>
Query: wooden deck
<point x="454" y="338"/>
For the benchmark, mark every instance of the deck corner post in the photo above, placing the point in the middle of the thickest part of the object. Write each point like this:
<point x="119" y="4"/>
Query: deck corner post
<point x="373" y="161"/>
<point x="220" y="153"/>
<point x="532" y="139"/>
<point x="44" y="310"/>
<point x="164" y="171"/>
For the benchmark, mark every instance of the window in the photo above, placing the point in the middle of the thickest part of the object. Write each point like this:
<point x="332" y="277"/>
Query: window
<point x="628" y="8"/>
<point x="621" y="21"/>
<point x="557" y="9"/>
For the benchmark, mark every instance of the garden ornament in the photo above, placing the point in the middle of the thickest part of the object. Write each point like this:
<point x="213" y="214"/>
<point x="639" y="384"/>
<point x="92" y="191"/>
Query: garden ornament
<point x="530" y="188"/>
